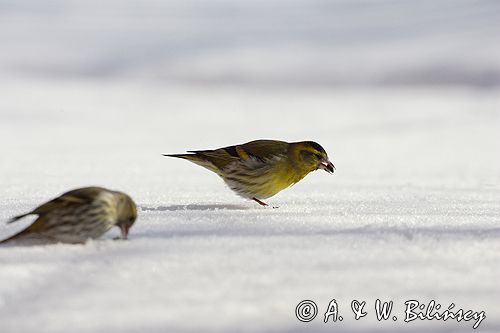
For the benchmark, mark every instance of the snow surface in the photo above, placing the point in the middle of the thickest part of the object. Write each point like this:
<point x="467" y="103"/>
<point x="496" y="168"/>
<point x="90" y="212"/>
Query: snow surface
<point x="404" y="95"/>
<point x="412" y="211"/>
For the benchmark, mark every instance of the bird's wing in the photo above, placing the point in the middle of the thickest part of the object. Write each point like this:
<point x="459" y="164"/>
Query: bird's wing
<point x="78" y="196"/>
<point x="260" y="150"/>
<point x="265" y="149"/>
<point x="218" y="159"/>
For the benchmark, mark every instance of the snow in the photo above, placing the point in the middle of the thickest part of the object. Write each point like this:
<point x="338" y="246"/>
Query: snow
<point x="412" y="211"/>
<point x="403" y="96"/>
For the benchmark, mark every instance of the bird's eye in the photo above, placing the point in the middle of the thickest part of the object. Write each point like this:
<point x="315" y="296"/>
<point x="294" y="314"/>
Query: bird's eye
<point x="319" y="157"/>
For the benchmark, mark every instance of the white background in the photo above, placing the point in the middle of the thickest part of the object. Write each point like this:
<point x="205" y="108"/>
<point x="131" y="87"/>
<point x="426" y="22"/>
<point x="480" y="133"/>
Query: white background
<point x="404" y="97"/>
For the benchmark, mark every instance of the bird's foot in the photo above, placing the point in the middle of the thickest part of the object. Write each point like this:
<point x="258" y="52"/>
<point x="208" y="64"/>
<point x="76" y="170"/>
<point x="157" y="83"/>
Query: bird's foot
<point x="262" y="203"/>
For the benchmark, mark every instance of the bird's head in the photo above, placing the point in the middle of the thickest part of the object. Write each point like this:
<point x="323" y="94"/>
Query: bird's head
<point x="311" y="156"/>
<point x="127" y="213"/>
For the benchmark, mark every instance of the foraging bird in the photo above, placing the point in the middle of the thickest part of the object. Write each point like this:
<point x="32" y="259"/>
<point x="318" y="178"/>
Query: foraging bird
<point x="79" y="215"/>
<point x="259" y="169"/>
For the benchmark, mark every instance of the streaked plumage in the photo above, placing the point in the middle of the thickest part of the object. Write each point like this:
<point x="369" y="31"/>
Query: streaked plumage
<point x="79" y="215"/>
<point x="259" y="169"/>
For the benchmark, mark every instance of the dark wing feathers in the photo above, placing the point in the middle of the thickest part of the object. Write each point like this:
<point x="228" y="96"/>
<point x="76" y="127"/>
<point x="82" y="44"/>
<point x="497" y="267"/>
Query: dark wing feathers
<point x="265" y="149"/>
<point x="78" y="196"/>
<point x="220" y="158"/>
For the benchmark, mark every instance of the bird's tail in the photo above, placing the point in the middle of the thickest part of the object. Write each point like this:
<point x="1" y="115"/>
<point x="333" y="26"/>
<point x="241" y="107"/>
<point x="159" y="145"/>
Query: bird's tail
<point x="196" y="158"/>
<point x="193" y="157"/>
<point x="15" y="218"/>
<point x="184" y="156"/>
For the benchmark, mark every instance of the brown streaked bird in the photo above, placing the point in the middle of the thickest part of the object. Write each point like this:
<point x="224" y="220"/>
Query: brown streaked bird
<point x="259" y="169"/>
<point x="79" y="215"/>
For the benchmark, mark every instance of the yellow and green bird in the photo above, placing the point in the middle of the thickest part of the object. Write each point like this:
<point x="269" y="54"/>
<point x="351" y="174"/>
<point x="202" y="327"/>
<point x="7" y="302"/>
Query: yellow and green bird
<point x="259" y="169"/>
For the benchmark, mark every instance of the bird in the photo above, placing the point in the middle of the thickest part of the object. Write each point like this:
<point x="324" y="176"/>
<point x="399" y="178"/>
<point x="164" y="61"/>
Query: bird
<point x="259" y="169"/>
<point x="79" y="215"/>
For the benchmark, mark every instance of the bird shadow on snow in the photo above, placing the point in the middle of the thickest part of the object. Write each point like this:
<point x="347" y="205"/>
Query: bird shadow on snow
<point x="173" y="208"/>
<point x="366" y="232"/>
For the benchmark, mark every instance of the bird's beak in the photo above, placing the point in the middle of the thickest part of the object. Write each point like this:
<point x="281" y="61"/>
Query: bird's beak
<point x="327" y="166"/>
<point x="124" y="229"/>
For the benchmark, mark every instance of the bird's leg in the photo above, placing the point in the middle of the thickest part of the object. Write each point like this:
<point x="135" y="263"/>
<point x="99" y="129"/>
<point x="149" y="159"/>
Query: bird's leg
<point x="260" y="202"/>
